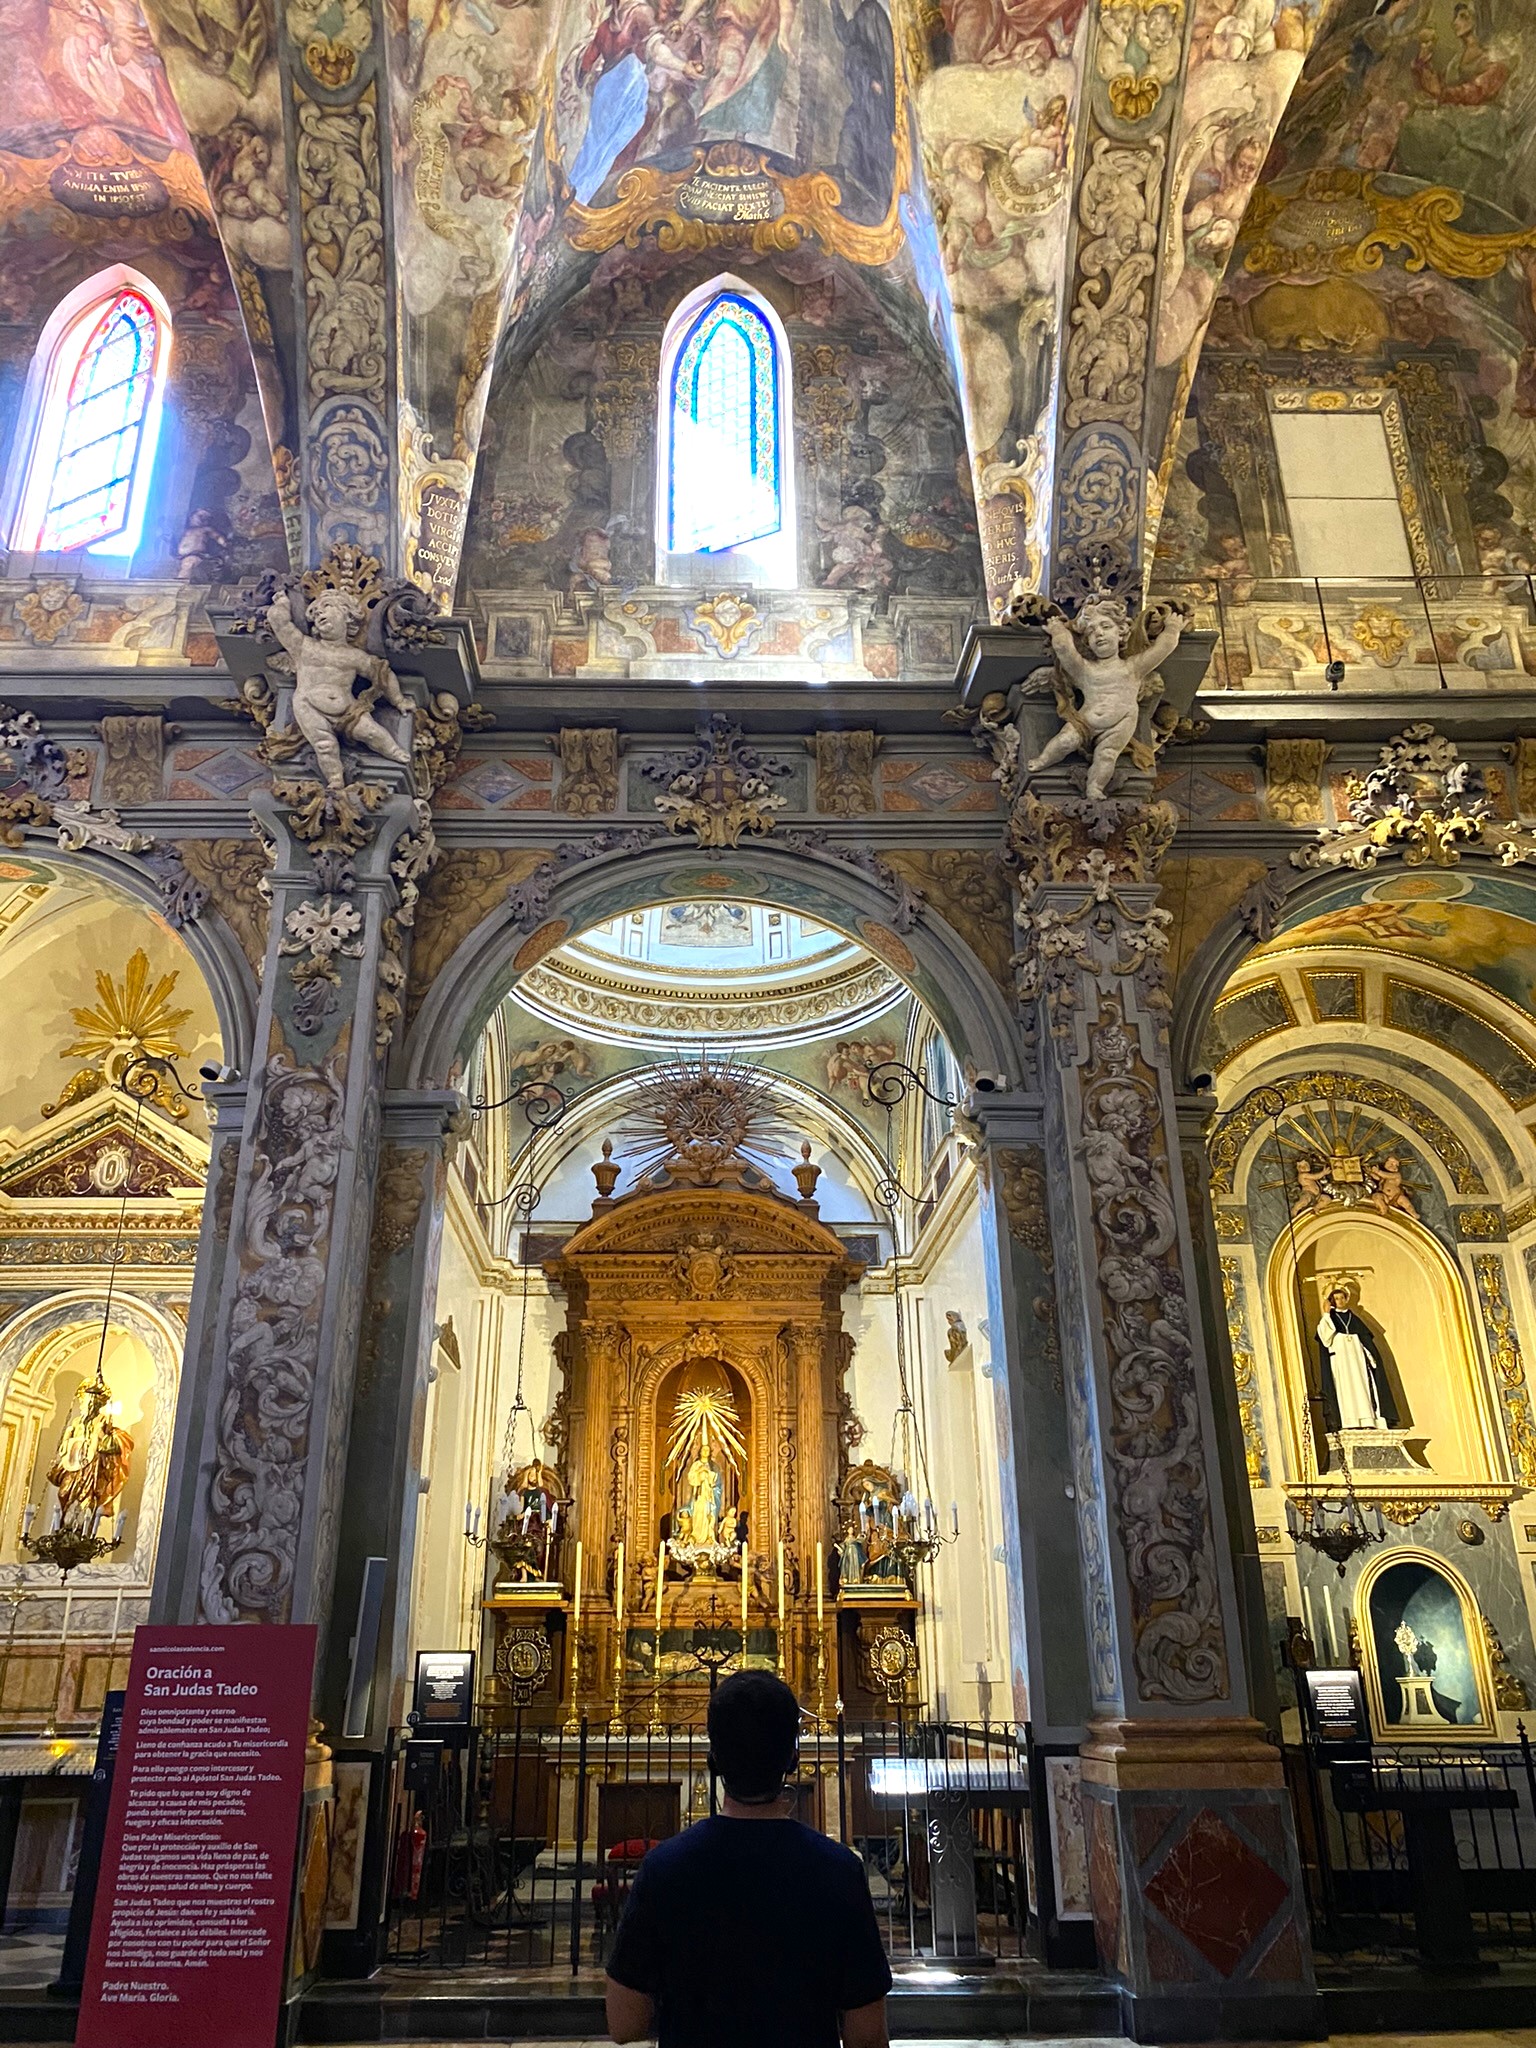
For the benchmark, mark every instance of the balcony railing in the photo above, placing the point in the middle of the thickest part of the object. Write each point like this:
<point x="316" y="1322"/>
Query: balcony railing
<point x="1382" y="635"/>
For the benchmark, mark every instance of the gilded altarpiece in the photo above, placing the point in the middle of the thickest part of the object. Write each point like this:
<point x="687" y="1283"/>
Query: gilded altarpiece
<point x="703" y="1420"/>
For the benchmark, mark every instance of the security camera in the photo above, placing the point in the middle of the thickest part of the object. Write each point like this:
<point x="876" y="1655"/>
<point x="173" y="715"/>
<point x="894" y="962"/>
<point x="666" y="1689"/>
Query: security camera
<point x="1202" y="1083"/>
<point x="1333" y="674"/>
<point x="990" y="1084"/>
<point x="211" y="1071"/>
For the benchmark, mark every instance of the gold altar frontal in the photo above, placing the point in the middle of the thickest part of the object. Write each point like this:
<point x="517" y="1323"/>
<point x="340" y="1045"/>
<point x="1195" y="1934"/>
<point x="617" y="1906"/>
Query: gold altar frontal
<point x="703" y="1425"/>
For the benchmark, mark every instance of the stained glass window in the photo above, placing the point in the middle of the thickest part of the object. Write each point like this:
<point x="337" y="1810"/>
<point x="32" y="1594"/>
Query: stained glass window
<point x="724" y="486"/>
<point x="96" y="426"/>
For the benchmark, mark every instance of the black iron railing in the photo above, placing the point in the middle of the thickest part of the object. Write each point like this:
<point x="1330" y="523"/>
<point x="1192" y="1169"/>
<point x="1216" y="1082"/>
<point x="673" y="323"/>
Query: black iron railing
<point x="516" y="1852"/>
<point x="1424" y="1851"/>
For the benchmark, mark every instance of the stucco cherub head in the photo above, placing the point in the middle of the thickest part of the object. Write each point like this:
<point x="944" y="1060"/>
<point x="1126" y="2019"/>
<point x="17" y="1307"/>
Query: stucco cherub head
<point x="333" y="614"/>
<point x="1101" y="627"/>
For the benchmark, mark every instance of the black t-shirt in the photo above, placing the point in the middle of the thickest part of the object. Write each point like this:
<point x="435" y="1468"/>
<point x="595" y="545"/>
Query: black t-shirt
<point x="750" y="1934"/>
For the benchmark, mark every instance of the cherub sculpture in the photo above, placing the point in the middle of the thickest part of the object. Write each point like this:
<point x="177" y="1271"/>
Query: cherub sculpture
<point x="326" y="665"/>
<point x="1111" y="683"/>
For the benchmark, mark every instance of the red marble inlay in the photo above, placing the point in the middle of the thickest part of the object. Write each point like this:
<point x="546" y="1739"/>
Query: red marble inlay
<point x="1104" y="1880"/>
<point x="1282" y="1962"/>
<point x="1217" y="1892"/>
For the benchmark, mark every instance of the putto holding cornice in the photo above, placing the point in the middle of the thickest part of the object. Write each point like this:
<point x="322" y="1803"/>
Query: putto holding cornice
<point x="326" y="666"/>
<point x="1105" y="677"/>
<point x="1105" y="672"/>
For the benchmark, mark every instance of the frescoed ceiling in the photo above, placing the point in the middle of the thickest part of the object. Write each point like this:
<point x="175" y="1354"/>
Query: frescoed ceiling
<point x="1048" y="195"/>
<point x="1481" y="925"/>
<point x="97" y="169"/>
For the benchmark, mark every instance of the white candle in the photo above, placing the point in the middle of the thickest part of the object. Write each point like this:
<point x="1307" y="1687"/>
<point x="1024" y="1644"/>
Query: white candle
<point x="820" y="1578"/>
<point x="618" y="1596"/>
<point x="469" y="1519"/>
<point x="28" y="1518"/>
<point x="661" y="1580"/>
<point x="743" y="1600"/>
<point x="576" y="1617"/>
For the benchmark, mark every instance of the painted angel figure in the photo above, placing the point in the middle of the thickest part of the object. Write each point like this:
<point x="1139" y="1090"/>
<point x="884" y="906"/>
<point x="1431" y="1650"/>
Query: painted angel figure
<point x="1111" y="684"/>
<point x="326" y="704"/>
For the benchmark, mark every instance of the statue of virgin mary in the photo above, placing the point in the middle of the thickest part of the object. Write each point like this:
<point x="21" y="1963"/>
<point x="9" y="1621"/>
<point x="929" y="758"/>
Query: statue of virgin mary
<point x="706" y="1464"/>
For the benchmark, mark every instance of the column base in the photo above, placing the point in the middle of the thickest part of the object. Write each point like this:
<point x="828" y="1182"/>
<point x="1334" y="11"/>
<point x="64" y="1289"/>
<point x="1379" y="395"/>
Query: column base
<point x="1171" y="2016"/>
<point x="1198" y="1908"/>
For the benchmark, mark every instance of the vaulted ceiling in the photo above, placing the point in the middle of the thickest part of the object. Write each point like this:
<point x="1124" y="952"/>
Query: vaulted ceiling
<point x="1044" y="194"/>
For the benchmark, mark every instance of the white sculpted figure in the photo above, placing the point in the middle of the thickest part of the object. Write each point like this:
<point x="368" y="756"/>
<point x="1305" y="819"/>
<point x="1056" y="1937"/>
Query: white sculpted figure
<point x="326" y="666"/>
<point x="1112" y="686"/>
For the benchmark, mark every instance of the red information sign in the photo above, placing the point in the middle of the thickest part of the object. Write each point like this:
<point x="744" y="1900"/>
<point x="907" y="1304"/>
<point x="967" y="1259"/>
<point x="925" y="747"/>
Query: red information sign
<point x="189" y="1936"/>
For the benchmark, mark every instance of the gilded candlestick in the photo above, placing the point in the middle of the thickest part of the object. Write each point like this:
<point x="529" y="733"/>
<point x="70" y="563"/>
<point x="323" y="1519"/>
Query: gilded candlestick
<point x="781" y="1608"/>
<point x="617" y="1721"/>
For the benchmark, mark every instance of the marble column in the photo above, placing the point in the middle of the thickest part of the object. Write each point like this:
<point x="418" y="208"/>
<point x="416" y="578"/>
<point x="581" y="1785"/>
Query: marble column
<point x="1192" y="1860"/>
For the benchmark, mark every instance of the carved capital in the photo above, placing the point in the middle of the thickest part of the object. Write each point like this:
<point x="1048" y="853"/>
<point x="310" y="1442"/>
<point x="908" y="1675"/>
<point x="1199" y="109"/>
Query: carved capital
<point x="1087" y="916"/>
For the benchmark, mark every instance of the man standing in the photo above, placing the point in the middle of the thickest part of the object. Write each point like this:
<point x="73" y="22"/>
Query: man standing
<point x="750" y="1928"/>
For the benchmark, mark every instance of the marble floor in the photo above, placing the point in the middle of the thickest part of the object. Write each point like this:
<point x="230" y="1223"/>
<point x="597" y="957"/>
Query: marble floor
<point x="1509" y="2037"/>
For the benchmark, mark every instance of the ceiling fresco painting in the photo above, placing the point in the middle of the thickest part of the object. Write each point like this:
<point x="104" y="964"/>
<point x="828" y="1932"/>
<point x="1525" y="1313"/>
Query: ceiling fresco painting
<point x="1394" y="229"/>
<point x="1044" y="203"/>
<point x="97" y="170"/>
<point x="466" y="86"/>
<point x="1245" y="59"/>
<point x="1479" y="924"/>
<point x="997" y="113"/>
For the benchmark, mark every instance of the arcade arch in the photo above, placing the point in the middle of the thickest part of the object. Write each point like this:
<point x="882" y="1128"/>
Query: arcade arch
<point x="1373" y="1149"/>
<point x="792" y="973"/>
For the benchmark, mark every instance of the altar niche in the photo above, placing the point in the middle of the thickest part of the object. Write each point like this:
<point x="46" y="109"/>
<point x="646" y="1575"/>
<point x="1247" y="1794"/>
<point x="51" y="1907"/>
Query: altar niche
<point x="700" y="1424"/>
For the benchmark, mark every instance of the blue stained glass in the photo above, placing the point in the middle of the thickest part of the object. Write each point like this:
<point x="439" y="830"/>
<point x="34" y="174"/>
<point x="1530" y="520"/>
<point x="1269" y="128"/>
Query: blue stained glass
<point x="104" y="412"/>
<point x="724" y="486"/>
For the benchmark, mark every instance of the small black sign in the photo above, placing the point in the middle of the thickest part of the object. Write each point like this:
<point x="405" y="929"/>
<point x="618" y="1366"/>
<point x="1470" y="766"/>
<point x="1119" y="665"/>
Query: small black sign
<point x="445" y="1688"/>
<point x="1337" y="1703"/>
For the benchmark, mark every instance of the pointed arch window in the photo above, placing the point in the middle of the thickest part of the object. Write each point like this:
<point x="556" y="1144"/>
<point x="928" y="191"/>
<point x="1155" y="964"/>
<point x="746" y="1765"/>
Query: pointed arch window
<point x="725" y="481"/>
<point x="95" y="397"/>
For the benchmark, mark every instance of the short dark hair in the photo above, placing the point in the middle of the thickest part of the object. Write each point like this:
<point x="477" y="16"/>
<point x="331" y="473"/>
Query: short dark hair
<point x="754" y="1724"/>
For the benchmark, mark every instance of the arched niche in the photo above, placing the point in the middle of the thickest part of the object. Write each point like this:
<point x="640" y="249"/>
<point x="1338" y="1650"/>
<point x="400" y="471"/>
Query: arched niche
<point x="1414" y="1590"/>
<point x="46" y="1354"/>
<point x="1413" y="1301"/>
<point x="689" y="1429"/>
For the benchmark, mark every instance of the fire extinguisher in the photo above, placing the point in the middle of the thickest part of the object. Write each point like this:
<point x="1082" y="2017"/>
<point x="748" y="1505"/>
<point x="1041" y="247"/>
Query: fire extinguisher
<point x="410" y="1854"/>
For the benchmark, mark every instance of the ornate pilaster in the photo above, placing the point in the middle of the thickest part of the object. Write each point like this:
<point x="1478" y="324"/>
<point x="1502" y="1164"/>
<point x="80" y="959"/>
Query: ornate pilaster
<point x="1192" y="1862"/>
<point x="257" y="1487"/>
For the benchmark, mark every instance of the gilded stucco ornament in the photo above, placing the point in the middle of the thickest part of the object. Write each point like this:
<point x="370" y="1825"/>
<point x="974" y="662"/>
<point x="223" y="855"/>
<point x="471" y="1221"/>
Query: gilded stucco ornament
<point x="319" y="931"/>
<point x="721" y="789"/>
<point x="1103" y="852"/>
<point x="1424" y="804"/>
<point x="1339" y="222"/>
<point x="37" y="793"/>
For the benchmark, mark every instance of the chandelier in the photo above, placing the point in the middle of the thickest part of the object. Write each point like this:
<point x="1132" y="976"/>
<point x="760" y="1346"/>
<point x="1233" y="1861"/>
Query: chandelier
<point x="89" y="1471"/>
<point x="1333" y="1524"/>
